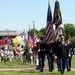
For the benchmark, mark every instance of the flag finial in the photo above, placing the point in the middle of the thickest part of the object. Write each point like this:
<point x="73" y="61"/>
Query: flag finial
<point x="33" y="22"/>
<point x="29" y="27"/>
<point x="56" y="0"/>
<point x="48" y="2"/>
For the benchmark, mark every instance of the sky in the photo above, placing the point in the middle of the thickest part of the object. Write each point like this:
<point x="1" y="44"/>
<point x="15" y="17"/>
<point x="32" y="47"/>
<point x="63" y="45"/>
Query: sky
<point x="19" y="14"/>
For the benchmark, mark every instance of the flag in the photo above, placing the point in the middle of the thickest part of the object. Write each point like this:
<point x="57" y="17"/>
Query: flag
<point x="58" y="32"/>
<point x="35" y="39"/>
<point x="23" y="40"/>
<point x="18" y="50"/>
<point x="20" y="37"/>
<point x="17" y="39"/>
<point x="49" y="26"/>
<point x="1" y="42"/>
<point x="35" y="36"/>
<point x="4" y="41"/>
<point x="29" y="39"/>
<point x="57" y="19"/>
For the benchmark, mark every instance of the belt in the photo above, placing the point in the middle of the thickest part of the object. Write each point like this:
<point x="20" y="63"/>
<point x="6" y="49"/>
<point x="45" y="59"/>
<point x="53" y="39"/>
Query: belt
<point x="42" y="49"/>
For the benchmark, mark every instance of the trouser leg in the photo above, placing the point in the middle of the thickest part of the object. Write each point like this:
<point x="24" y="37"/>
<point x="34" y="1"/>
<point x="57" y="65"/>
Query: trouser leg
<point x="61" y="66"/>
<point x="50" y="62"/>
<point x="41" y="63"/>
<point x="68" y="63"/>
<point x="37" y="62"/>
<point x="58" y="64"/>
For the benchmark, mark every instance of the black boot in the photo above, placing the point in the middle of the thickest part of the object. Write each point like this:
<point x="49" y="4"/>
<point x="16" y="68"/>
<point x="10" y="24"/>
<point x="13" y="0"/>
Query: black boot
<point x="37" y="67"/>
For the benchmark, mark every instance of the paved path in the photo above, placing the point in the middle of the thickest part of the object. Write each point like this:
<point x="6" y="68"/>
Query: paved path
<point x="24" y="68"/>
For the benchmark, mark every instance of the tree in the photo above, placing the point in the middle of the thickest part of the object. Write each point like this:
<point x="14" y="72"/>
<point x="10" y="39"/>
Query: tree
<point x="69" y="30"/>
<point x="73" y="41"/>
<point x="43" y="31"/>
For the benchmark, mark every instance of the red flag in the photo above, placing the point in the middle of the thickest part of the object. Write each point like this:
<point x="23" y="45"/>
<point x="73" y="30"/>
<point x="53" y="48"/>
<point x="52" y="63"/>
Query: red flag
<point x="18" y="50"/>
<point x="4" y="41"/>
<point x="1" y="42"/>
<point x="49" y="26"/>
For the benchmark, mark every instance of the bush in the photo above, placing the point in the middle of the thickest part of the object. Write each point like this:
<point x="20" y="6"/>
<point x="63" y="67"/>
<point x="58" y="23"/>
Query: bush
<point x="73" y="41"/>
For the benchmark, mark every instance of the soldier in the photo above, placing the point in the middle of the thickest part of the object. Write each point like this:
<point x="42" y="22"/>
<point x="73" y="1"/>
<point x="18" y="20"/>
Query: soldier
<point x="62" y="51"/>
<point x="50" y="57"/>
<point x="58" y="41"/>
<point x="41" y="47"/>
<point x="69" y="55"/>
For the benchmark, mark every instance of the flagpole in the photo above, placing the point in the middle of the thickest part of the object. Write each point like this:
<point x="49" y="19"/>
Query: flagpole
<point x="24" y="38"/>
<point x="48" y="2"/>
<point x="33" y="29"/>
<point x="33" y="24"/>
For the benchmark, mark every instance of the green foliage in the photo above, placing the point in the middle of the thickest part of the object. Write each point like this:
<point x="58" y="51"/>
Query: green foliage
<point x="39" y="33"/>
<point x="73" y="41"/>
<point x="43" y="30"/>
<point x="69" y="30"/>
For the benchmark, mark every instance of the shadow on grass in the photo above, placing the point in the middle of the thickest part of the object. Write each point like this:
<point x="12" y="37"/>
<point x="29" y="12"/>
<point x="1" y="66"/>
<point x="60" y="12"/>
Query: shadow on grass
<point x="32" y="72"/>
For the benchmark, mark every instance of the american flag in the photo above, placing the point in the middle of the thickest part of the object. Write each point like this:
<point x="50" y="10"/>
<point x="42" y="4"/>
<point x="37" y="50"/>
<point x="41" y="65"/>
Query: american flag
<point x="35" y="36"/>
<point x="58" y="32"/>
<point x="29" y="40"/>
<point x="49" y="26"/>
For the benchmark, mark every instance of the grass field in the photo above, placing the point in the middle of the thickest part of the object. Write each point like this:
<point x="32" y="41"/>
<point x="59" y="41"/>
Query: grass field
<point x="34" y="72"/>
<point x="21" y="64"/>
<point x="73" y="61"/>
<point x="31" y="72"/>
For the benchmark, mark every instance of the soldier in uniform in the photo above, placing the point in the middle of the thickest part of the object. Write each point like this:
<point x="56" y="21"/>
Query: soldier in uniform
<point x="70" y="54"/>
<point x="56" y="52"/>
<point x="41" y="48"/>
<point x="50" y="55"/>
<point x="62" y="51"/>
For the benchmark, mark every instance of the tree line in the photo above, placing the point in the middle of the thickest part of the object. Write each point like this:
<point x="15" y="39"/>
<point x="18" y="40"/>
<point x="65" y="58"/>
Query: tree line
<point x="68" y="30"/>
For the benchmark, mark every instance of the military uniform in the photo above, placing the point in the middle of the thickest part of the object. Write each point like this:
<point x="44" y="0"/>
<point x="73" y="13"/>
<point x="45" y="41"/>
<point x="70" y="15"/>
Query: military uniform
<point x="69" y="56"/>
<point x="41" y="47"/>
<point x="62" y="52"/>
<point x="50" y="57"/>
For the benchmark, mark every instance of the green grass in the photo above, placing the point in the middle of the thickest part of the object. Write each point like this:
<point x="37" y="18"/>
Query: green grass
<point x="31" y="72"/>
<point x="21" y="64"/>
<point x="34" y="72"/>
<point x="73" y="61"/>
<point x="13" y="64"/>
